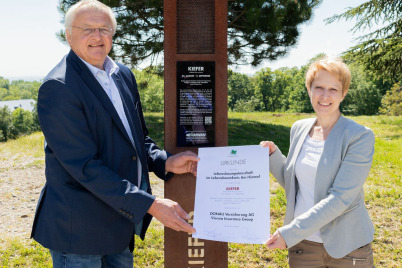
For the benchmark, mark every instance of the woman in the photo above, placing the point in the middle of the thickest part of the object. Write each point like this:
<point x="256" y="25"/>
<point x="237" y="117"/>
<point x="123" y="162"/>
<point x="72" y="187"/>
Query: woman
<point x="329" y="159"/>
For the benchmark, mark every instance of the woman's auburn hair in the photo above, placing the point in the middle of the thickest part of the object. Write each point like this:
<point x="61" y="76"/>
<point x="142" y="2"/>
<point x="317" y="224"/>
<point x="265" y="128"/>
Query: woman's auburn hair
<point x="335" y="66"/>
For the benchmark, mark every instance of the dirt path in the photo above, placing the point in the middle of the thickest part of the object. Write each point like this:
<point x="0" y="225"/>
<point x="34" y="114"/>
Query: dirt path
<point x="21" y="181"/>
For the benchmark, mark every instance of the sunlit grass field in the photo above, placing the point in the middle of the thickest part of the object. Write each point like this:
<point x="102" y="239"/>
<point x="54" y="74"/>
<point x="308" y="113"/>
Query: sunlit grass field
<point x="383" y="193"/>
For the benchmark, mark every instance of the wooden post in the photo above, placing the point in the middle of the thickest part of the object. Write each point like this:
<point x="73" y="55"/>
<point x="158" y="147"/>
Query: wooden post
<point x="196" y="42"/>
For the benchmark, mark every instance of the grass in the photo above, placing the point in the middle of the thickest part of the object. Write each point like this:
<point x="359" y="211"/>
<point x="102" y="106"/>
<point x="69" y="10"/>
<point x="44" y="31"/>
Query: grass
<point x="383" y="190"/>
<point x="31" y="145"/>
<point x="18" y="253"/>
<point x="149" y="253"/>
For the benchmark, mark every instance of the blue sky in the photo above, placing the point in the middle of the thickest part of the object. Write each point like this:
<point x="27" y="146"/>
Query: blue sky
<point x="29" y="47"/>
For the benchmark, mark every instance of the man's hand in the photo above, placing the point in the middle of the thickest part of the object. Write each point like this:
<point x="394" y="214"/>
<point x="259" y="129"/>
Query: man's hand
<point x="170" y="214"/>
<point x="276" y="241"/>
<point x="182" y="163"/>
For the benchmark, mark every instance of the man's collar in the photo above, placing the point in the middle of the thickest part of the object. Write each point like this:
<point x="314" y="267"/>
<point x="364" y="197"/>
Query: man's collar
<point x="109" y="65"/>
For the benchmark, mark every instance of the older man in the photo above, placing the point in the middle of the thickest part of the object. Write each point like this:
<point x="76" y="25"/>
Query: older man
<point x="98" y="153"/>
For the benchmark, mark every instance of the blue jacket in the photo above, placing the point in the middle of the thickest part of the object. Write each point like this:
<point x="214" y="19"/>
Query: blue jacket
<point x="91" y="200"/>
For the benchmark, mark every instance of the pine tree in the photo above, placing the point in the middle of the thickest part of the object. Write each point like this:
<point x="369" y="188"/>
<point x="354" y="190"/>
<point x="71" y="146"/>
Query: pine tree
<point x="257" y="29"/>
<point x="381" y="50"/>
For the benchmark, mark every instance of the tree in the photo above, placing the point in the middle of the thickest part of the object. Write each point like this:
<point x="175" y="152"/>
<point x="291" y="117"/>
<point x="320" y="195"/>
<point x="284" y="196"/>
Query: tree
<point x="239" y="89"/>
<point x="5" y="123"/>
<point x="299" y="101"/>
<point x="263" y="87"/>
<point x="22" y="122"/>
<point x="150" y="86"/>
<point x="35" y="119"/>
<point x="363" y="97"/>
<point x="391" y="103"/>
<point x="4" y="87"/>
<point x="19" y="89"/>
<point x="4" y="83"/>
<point x="243" y="105"/>
<point x="257" y="29"/>
<point x="281" y="84"/>
<point x="271" y="86"/>
<point x="17" y="123"/>
<point x="3" y="93"/>
<point x="381" y="50"/>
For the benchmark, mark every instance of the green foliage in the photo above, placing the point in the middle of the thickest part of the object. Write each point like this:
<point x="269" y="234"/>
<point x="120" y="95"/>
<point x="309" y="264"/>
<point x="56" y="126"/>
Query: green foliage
<point x="239" y="91"/>
<point x="17" y="90"/>
<point x="281" y="90"/>
<point x="242" y="105"/>
<point x="284" y="90"/>
<point x="17" y="123"/>
<point x="155" y="127"/>
<point x="391" y="103"/>
<point x="3" y="93"/>
<point x="281" y="87"/>
<point x="4" y="83"/>
<point x="263" y="81"/>
<point x="151" y="89"/>
<point x="5" y="123"/>
<point x="363" y="96"/>
<point x="257" y="29"/>
<point x="299" y="100"/>
<point x="381" y="50"/>
<point x="22" y="122"/>
<point x="249" y="37"/>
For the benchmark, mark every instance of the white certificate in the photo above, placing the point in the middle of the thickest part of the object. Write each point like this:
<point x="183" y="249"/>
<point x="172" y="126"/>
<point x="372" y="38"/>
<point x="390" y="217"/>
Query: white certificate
<point x="232" y="194"/>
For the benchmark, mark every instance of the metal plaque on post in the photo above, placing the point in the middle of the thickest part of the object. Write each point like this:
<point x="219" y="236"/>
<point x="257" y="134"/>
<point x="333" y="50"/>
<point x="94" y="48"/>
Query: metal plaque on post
<point x="195" y="103"/>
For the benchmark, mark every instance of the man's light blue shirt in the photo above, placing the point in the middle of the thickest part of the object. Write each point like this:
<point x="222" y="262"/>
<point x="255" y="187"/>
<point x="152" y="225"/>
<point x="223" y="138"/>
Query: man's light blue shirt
<point x="104" y="77"/>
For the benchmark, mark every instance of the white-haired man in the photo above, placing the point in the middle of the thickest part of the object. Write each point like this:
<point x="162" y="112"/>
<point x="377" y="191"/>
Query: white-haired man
<point x="98" y="153"/>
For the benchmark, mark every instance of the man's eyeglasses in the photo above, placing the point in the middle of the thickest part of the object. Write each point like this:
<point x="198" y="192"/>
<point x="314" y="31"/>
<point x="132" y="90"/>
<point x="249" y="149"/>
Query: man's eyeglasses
<point x="105" y="31"/>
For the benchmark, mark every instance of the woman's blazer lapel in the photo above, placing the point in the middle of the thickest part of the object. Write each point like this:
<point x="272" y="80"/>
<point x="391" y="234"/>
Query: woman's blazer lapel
<point x="330" y="161"/>
<point x="299" y="137"/>
<point x="304" y="131"/>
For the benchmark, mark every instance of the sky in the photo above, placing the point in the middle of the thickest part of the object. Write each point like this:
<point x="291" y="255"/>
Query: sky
<point x="29" y="48"/>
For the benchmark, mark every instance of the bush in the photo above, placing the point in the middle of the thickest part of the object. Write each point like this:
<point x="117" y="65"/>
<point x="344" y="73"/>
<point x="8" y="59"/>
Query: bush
<point x="151" y="89"/>
<point x="363" y="97"/>
<point x="5" y="123"/>
<point x="22" y="122"/>
<point x="391" y="103"/>
<point x="17" y="123"/>
<point x="247" y="105"/>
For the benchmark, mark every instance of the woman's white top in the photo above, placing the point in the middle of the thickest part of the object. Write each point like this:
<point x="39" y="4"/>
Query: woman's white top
<point x="306" y="169"/>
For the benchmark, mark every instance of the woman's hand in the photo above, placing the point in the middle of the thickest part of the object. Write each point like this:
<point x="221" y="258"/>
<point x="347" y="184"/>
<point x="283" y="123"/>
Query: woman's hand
<point x="270" y="144"/>
<point x="182" y="163"/>
<point x="276" y="241"/>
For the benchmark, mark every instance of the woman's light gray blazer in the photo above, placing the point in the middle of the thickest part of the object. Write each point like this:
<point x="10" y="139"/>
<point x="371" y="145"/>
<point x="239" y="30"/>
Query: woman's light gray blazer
<point x="339" y="211"/>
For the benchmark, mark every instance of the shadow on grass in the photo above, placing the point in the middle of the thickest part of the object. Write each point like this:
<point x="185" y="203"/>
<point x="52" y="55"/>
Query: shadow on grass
<point x="156" y="128"/>
<point x="247" y="132"/>
<point x="241" y="132"/>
